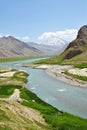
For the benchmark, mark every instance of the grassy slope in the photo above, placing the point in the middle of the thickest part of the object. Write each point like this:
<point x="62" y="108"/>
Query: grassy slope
<point x="59" y="59"/>
<point x="14" y="117"/>
<point x="9" y="84"/>
<point x="82" y="58"/>
<point x="56" y="120"/>
<point x="52" y="60"/>
<point x="81" y="65"/>
<point x="7" y="90"/>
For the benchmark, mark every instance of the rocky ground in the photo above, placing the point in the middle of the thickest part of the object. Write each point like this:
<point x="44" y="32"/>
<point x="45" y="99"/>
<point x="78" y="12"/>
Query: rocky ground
<point x="57" y="71"/>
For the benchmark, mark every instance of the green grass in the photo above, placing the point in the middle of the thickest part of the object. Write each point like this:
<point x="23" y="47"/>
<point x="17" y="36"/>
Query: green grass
<point x="10" y="59"/>
<point x="20" y="76"/>
<point x="81" y="65"/>
<point x="56" y="119"/>
<point x="59" y="59"/>
<point x="53" y="60"/>
<point x="13" y="117"/>
<point x="81" y="58"/>
<point x="84" y="78"/>
<point x="5" y="128"/>
<point x="3" y="116"/>
<point x="7" y="90"/>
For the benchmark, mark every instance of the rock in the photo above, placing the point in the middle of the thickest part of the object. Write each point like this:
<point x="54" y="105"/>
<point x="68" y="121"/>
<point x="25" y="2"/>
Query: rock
<point x="81" y="39"/>
<point x="77" y="46"/>
<point x="72" y="53"/>
<point x="82" y="33"/>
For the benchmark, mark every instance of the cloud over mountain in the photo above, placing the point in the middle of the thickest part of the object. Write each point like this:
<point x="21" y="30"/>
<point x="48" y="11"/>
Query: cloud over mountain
<point x="26" y="38"/>
<point x="58" y="38"/>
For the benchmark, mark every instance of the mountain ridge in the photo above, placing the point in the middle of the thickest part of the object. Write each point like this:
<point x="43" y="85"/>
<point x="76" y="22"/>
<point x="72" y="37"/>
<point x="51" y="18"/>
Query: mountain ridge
<point x="78" y="46"/>
<point x="13" y="47"/>
<point x="10" y="47"/>
<point x="75" y="52"/>
<point x="45" y="49"/>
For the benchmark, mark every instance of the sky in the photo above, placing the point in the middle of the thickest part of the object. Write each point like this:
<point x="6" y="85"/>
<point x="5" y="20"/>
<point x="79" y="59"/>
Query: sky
<point x="42" y="20"/>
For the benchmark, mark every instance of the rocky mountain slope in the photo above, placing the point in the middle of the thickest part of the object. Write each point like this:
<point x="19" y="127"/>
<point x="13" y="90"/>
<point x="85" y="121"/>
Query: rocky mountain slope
<point x="75" y="53"/>
<point x="78" y="46"/>
<point x="46" y="49"/>
<point x="12" y="47"/>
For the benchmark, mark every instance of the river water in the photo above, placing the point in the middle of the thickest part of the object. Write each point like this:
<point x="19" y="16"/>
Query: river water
<point x="63" y="96"/>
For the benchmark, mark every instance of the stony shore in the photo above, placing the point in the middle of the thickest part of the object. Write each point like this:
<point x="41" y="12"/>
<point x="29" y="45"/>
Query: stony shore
<point x="57" y="71"/>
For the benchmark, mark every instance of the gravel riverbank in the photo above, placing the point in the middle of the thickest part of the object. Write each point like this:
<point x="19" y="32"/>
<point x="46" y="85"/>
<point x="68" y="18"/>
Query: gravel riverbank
<point x="57" y="71"/>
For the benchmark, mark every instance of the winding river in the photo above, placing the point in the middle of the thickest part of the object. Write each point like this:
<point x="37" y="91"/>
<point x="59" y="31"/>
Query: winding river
<point x="63" y="96"/>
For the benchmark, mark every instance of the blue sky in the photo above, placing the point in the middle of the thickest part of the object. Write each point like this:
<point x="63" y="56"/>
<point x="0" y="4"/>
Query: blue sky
<point x="32" y="18"/>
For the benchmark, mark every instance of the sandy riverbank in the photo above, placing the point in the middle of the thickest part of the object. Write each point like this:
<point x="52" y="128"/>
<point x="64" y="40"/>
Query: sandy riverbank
<point x="57" y="71"/>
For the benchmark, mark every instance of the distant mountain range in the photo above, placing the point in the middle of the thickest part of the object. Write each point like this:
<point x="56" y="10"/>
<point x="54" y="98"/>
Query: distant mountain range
<point x="12" y="47"/>
<point x="46" y="49"/>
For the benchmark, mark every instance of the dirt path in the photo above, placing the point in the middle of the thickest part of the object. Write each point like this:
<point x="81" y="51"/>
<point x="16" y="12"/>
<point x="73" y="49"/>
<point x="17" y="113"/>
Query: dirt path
<point x="15" y="107"/>
<point x="14" y="97"/>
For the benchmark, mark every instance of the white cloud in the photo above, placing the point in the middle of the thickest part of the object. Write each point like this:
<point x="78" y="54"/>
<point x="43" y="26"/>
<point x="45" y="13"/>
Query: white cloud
<point x="26" y="38"/>
<point x="17" y="37"/>
<point x="58" y="38"/>
<point x="7" y="35"/>
<point x="1" y="35"/>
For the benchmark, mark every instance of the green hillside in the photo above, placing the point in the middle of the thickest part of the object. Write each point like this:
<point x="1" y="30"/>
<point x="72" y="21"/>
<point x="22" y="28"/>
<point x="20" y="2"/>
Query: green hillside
<point x="75" y="53"/>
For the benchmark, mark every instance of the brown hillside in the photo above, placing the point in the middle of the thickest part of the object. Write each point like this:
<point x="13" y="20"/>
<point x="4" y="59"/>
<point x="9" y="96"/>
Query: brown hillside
<point x="79" y="45"/>
<point x="12" y="47"/>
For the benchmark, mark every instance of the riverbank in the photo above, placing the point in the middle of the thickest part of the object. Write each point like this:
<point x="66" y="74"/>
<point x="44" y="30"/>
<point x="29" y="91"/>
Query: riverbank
<point x="28" y="110"/>
<point x="12" y="83"/>
<point x="58" y="72"/>
<point x="19" y="58"/>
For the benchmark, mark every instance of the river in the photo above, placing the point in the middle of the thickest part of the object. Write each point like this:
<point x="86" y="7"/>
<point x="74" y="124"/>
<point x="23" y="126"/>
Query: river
<point x="63" y="96"/>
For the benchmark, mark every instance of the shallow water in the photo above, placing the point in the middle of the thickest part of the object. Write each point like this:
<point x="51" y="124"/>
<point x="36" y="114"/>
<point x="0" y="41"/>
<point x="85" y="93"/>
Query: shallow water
<point x="63" y="96"/>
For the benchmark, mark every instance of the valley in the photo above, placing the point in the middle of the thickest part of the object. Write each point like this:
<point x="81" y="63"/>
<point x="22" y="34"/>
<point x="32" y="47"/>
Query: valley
<point x="27" y="109"/>
<point x="33" y="102"/>
<point x="43" y="65"/>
